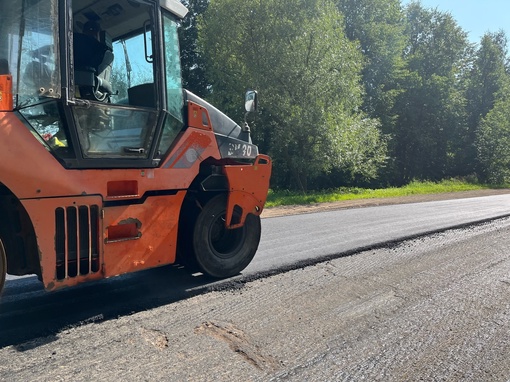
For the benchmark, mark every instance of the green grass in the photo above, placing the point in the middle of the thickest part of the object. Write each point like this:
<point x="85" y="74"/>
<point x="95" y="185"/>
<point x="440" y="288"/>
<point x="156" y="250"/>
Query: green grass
<point x="283" y="198"/>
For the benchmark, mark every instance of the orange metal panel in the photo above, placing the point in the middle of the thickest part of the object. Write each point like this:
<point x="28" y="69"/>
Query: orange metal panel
<point x="141" y="236"/>
<point x="131" y="238"/>
<point x="42" y="213"/>
<point x="30" y="171"/>
<point x="193" y="147"/>
<point x="248" y="186"/>
<point x="198" y="117"/>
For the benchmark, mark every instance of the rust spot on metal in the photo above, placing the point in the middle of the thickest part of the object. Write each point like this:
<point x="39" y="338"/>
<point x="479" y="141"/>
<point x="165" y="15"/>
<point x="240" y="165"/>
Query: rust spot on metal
<point x="137" y="222"/>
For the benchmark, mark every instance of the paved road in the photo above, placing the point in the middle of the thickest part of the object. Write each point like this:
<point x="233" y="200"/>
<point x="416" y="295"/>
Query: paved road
<point x="308" y="237"/>
<point x="28" y="313"/>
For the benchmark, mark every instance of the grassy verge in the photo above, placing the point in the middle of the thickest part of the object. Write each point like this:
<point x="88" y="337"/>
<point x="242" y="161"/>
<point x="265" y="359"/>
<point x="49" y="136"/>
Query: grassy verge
<point x="283" y="198"/>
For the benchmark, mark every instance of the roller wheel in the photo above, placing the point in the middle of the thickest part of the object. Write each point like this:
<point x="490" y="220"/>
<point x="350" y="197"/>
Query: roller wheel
<point x="220" y="252"/>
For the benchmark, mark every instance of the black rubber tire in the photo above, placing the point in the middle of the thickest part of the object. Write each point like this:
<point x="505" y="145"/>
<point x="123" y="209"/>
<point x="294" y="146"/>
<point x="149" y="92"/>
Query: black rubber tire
<point x="185" y="255"/>
<point x="220" y="252"/>
<point x="3" y="266"/>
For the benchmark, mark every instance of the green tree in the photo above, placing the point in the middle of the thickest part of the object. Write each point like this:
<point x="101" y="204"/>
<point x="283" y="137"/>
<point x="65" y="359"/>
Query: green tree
<point x="431" y="109"/>
<point x="378" y="27"/>
<point x="493" y="143"/>
<point x="485" y="81"/>
<point x="307" y="72"/>
<point x="192" y="62"/>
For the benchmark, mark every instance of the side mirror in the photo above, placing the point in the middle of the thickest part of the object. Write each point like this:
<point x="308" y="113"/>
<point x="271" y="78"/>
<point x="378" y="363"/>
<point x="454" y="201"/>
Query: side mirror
<point x="250" y="101"/>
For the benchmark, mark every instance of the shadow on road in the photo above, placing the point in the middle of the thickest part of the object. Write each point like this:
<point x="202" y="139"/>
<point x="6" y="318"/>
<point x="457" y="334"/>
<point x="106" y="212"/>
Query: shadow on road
<point x="30" y="316"/>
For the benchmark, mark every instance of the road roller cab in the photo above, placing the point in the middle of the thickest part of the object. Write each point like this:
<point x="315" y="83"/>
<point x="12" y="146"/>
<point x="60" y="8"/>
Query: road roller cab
<point x="107" y="165"/>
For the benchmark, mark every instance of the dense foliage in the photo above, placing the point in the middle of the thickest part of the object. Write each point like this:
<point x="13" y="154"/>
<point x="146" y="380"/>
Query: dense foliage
<point x="355" y="92"/>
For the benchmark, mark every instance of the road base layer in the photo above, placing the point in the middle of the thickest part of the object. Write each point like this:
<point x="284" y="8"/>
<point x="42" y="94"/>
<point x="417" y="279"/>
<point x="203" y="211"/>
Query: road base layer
<point x="435" y="308"/>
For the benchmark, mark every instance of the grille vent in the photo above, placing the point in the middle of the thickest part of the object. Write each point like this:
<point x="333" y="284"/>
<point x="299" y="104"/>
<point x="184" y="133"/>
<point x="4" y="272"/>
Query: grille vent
<point x="77" y="241"/>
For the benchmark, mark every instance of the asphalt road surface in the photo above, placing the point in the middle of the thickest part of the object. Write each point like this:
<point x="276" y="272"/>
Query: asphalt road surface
<point x="434" y="307"/>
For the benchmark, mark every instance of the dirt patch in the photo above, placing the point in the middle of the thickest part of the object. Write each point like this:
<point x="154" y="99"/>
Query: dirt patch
<point x="298" y="209"/>
<point x="239" y="343"/>
<point x="155" y="338"/>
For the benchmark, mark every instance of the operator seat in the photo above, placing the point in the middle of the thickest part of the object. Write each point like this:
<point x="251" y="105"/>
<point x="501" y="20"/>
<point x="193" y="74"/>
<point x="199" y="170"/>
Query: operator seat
<point x="4" y="66"/>
<point x="93" y="63"/>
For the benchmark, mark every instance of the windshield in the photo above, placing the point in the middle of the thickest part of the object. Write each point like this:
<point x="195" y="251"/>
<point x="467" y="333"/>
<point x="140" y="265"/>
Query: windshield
<point x="28" y="37"/>
<point x="173" y="67"/>
<point x="174" y="94"/>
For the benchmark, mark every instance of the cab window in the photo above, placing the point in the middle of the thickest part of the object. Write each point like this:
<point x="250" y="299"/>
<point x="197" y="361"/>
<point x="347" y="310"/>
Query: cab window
<point x="115" y="109"/>
<point x="28" y="37"/>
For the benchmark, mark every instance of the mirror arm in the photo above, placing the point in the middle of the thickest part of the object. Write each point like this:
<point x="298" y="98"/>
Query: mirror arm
<point x="250" y="104"/>
<point x="246" y="127"/>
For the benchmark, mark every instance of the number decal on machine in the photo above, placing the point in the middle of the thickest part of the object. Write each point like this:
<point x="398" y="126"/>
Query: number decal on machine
<point x="240" y="150"/>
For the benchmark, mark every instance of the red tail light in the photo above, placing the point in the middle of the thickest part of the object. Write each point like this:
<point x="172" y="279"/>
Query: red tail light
<point x="6" y="92"/>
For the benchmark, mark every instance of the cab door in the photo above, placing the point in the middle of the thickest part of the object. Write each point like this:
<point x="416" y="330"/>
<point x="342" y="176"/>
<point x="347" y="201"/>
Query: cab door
<point x="115" y="102"/>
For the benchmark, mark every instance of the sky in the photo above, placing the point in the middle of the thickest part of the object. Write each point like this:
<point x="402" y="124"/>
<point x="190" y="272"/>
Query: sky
<point x="475" y="16"/>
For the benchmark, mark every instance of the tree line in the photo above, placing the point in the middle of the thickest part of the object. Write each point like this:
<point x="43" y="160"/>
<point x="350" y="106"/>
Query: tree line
<point x="355" y="92"/>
